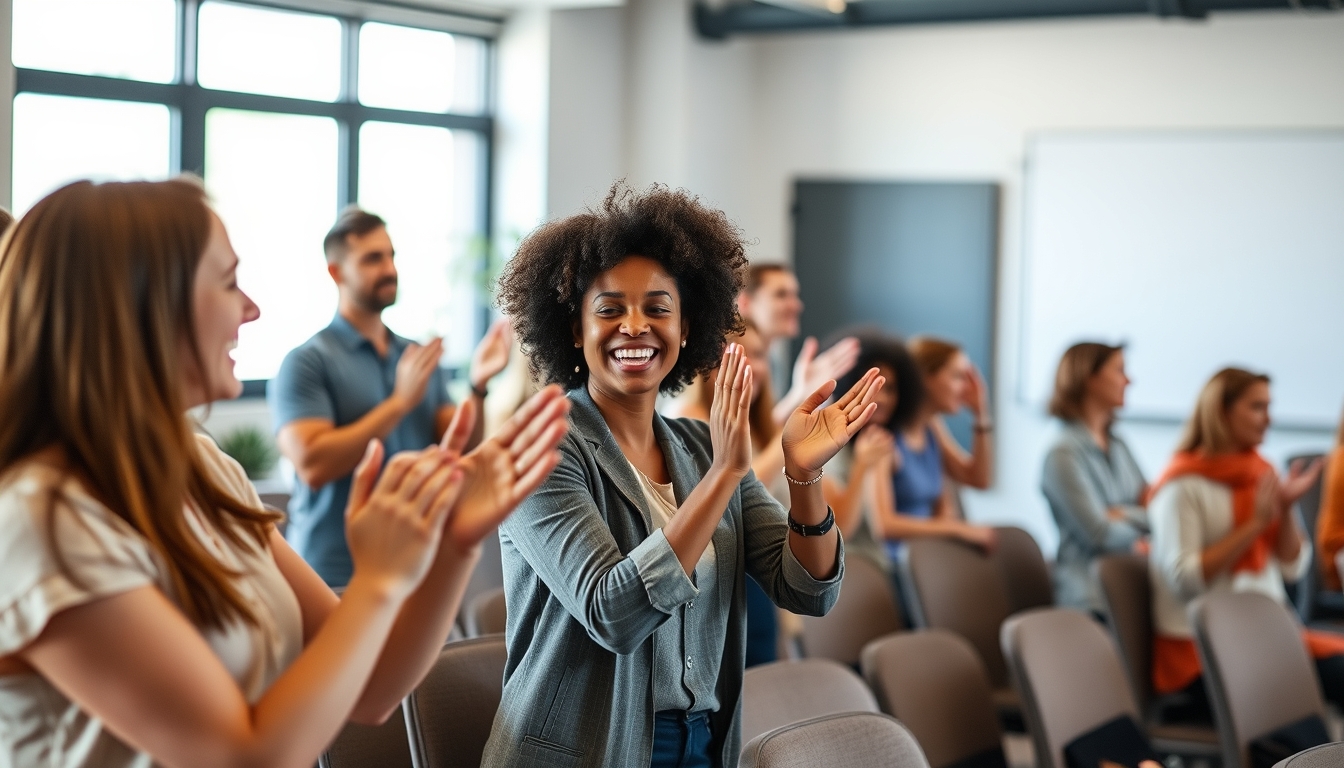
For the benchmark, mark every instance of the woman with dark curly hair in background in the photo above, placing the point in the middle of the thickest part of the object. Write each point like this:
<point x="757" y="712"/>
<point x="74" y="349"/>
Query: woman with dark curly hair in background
<point x="625" y="572"/>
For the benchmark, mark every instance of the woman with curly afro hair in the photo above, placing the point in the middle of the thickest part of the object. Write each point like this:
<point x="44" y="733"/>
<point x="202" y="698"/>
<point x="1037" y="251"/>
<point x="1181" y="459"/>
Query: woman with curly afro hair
<point x="625" y="572"/>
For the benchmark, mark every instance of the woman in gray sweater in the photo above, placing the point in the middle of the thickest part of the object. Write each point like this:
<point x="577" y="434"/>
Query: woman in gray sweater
<point x="625" y="572"/>
<point x="1091" y="480"/>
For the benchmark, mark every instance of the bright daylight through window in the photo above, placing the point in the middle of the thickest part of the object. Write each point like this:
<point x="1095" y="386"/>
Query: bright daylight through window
<point x="288" y="116"/>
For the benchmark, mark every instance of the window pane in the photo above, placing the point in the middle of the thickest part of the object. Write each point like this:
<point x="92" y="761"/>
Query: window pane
<point x="420" y="69"/>
<point x="134" y="39"/>
<point x="422" y="180"/>
<point x="277" y="53"/>
<point x="273" y="180"/>
<point x="58" y="139"/>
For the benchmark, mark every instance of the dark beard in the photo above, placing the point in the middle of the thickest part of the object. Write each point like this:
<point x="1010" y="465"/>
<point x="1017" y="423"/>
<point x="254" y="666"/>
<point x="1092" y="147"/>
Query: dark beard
<point x="370" y="302"/>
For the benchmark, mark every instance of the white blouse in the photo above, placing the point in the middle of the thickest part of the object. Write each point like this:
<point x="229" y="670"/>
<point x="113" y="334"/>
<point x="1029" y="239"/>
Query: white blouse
<point x="38" y="725"/>
<point x="1189" y="514"/>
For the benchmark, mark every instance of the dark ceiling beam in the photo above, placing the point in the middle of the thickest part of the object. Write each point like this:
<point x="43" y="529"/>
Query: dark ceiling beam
<point x="752" y="16"/>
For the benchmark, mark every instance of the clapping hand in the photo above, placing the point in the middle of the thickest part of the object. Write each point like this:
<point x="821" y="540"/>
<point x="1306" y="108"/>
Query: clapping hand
<point x="876" y="447"/>
<point x="505" y="469"/>
<point x="1301" y="476"/>
<point x="811" y="371"/>
<point x="491" y="355"/>
<point x="729" y="414"/>
<point x="812" y="434"/>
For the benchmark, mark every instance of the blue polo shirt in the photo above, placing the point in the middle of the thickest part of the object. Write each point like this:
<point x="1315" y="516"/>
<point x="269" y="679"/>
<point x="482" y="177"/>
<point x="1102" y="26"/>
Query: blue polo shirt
<point x="339" y="376"/>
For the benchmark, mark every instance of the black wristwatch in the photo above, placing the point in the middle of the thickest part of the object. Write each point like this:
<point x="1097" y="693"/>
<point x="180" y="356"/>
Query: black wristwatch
<point x="813" y="530"/>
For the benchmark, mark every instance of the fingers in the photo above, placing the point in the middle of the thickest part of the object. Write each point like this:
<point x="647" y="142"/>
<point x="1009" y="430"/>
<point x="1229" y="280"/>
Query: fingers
<point x="807" y="353"/>
<point x="543" y="434"/>
<point x="422" y="467"/>
<point x="535" y="475"/>
<point x="361" y="485"/>
<point x="544" y="447"/>
<point x="455" y="438"/>
<point x="728" y="368"/>
<point x="867" y="395"/>
<point x="426" y="495"/>
<point x="854" y="391"/>
<point x="446" y="498"/>
<point x="813" y="401"/>
<point x="524" y="415"/>
<point x="744" y="399"/>
<point x="863" y="417"/>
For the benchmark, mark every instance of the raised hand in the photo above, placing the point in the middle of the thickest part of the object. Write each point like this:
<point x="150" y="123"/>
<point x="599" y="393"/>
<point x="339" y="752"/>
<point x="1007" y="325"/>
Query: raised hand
<point x="875" y="447"/>
<point x="812" y="434"/>
<point x="394" y="522"/>
<point x="1301" y="476"/>
<point x="491" y="355"/>
<point x="811" y="370"/>
<point x="503" y="470"/>
<point x="729" y="414"/>
<point x="976" y="396"/>
<point x="414" y="369"/>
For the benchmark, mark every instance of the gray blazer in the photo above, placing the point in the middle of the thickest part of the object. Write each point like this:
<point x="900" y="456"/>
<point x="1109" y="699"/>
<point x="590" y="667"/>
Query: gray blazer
<point x="587" y="584"/>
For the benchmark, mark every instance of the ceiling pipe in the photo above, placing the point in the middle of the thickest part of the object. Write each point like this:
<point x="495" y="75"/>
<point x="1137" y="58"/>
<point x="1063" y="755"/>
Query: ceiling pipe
<point x="752" y="16"/>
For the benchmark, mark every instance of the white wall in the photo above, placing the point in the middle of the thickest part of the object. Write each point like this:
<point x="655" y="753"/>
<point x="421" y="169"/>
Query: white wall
<point x="738" y="122"/>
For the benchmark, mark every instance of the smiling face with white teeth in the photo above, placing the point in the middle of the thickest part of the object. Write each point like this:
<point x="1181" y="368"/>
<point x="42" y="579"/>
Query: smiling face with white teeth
<point x="219" y="309"/>
<point x="631" y="328"/>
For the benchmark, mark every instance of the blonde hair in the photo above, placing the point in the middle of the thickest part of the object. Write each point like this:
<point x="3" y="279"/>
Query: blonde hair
<point x="96" y="290"/>
<point x="1079" y="363"/>
<point x="1207" y="430"/>
<point x="932" y="354"/>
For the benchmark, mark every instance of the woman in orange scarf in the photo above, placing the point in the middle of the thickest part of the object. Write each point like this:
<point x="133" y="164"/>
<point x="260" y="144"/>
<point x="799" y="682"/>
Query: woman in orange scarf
<point x="1220" y="522"/>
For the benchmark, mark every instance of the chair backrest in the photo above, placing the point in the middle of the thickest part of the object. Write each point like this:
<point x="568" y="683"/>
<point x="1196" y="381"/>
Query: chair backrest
<point x="934" y="682"/>
<point x="1256" y="668"/>
<point x="955" y="586"/>
<point x="486" y="614"/>
<point x="1067" y="672"/>
<point x="1324" y="756"/>
<point x="452" y="711"/>
<point x="1026" y="577"/>
<point x="784" y="692"/>
<point x="866" y="610"/>
<point x="851" y="739"/>
<point x="1128" y="597"/>
<point x="371" y="746"/>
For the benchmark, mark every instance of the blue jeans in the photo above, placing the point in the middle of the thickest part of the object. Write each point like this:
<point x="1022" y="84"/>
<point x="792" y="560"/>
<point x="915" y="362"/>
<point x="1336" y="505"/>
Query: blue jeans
<point x="681" y="740"/>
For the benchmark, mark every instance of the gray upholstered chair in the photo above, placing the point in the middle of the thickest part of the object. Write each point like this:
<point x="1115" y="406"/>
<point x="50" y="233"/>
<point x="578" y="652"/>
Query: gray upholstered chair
<point x="934" y="682"/>
<point x="1324" y="756"/>
<point x="452" y="710"/>
<point x="784" y="692"/>
<point x="1067" y="671"/>
<point x="1257" y="670"/>
<point x="848" y="740"/>
<point x="866" y="610"/>
<point x="955" y="586"/>
<point x="1128" y="598"/>
<point x="1026" y="576"/>
<point x="370" y="746"/>
<point x="486" y="614"/>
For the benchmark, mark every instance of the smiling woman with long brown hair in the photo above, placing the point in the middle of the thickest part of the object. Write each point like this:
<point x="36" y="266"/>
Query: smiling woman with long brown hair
<point x="149" y="610"/>
<point x="626" y="570"/>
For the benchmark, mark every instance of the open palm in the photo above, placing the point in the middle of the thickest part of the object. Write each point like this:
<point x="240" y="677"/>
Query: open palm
<point x="503" y="470"/>
<point x="812" y="435"/>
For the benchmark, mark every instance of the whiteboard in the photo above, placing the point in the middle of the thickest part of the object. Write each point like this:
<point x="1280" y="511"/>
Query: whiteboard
<point x="1199" y="250"/>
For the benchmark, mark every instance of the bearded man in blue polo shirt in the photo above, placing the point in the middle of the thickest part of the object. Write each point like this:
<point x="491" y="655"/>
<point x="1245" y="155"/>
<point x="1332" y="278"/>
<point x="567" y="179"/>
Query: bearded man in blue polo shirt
<point x="356" y="380"/>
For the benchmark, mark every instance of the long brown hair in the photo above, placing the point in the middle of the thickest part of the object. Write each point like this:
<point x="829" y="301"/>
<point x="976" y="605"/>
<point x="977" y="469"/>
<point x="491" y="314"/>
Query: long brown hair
<point x="761" y="418"/>
<point x="95" y="316"/>
<point x="1079" y="364"/>
<point x="1207" y="430"/>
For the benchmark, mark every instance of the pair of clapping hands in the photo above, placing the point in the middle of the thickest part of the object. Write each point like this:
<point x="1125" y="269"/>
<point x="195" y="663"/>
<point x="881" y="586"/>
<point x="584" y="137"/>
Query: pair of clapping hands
<point x="812" y="434"/>
<point x="1276" y="495"/>
<point x="400" y="515"/>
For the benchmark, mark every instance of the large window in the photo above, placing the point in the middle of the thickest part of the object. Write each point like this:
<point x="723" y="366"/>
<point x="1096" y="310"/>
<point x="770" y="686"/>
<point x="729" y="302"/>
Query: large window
<point x="288" y="116"/>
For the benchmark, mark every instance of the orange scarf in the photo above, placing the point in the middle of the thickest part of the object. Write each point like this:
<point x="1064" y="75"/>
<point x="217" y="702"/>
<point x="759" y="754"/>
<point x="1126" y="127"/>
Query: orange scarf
<point x="1175" y="661"/>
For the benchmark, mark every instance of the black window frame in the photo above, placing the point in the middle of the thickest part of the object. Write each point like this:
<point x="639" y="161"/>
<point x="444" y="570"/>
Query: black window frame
<point x="188" y="103"/>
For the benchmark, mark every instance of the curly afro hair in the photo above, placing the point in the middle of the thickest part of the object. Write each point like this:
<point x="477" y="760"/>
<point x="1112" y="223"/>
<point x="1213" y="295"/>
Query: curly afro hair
<point x="876" y="347"/>
<point x="542" y="285"/>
